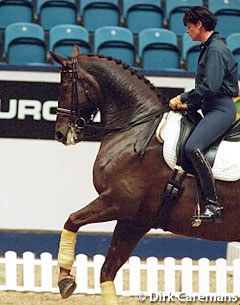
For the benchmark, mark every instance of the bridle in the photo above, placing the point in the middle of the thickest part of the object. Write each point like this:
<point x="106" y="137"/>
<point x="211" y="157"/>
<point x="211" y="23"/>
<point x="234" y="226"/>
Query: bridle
<point x="77" y="122"/>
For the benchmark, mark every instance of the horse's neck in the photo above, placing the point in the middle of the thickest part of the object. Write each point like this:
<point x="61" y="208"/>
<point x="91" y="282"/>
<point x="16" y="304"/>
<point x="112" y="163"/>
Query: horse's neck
<point x="125" y="97"/>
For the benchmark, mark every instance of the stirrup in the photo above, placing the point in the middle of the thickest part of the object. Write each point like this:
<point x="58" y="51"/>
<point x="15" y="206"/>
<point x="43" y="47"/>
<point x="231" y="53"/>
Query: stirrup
<point x="212" y="213"/>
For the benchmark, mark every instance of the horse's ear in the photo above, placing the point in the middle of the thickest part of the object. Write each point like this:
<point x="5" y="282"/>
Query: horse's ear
<point x="61" y="60"/>
<point x="76" y="51"/>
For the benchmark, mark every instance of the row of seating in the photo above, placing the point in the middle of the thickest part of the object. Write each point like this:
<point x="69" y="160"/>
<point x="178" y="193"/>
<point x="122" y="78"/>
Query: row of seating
<point x="133" y="14"/>
<point x="155" y="49"/>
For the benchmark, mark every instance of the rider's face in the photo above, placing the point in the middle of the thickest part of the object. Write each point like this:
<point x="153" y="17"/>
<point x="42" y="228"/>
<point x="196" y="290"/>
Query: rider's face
<point x="194" y="30"/>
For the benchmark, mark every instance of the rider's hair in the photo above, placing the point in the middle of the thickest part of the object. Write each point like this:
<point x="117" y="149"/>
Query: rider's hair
<point x="200" y="13"/>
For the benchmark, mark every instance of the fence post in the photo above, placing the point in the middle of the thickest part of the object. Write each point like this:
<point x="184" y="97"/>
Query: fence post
<point x="28" y="271"/>
<point x="203" y="276"/>
<point x="187" y="275"/>
<point x="82" y="273"/>
<point x="11" y="270"/>
<point x="46" y="272"/>
<point x="152" y="275"/>
<point x="169" y="275"/>
<point x="118" y="282"/>
<point x="221" y="276"/>
<point x="236" y="276"/>
<point x="134" y="275"/>
<point x="98" y="261"/>
<point x="233" y="252"/>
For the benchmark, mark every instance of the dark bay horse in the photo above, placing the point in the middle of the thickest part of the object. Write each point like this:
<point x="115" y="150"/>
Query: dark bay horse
<point x="129" y="187"/>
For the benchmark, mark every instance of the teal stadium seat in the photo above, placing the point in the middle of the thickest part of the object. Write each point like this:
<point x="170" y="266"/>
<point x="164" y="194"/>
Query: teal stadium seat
<point x="142" y="14"/>
<point x="95" y="14"/>
<point x="233" y="42"/>
<point x="12" y="11"/>
<point x="158" y="49"/>
<point x="228" y="15"/>
<point x="54" y="12"/>
<point x="175" y="10"/>
<point x="62" y="38"/>
<point x="115" y="41"/>
<point x="24" y="43"/>
<point x="190" y="52"/>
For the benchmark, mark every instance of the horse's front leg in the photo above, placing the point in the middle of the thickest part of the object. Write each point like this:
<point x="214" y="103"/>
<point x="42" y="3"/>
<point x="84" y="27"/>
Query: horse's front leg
<point x="125" y="238"/>
<point x="99" y="210"/>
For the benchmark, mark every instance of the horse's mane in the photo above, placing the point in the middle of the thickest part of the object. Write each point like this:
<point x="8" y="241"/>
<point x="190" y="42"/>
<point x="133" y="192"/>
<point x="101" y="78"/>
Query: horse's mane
<point x="133" y="72"/>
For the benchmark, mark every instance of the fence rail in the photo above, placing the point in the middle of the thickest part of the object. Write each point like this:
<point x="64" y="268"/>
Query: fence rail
<point x="168" y="276"/>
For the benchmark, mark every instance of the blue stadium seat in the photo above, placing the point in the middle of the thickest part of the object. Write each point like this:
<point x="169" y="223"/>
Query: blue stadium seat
<point x="158" y="49"/>
<point x="24" y="43"/>
<point x="190" y="52"/>
<point x="96" y="14"/>
<point x="54" y="12"/>
<point x="142" y="14"/>
<point x="116" y="42"/>
<point x="12" y="11"/>
<point x="175" y="10"/>
<point x="62" y="38"/>
<point x="233" y="42"/>
<point x="228" y="15"/>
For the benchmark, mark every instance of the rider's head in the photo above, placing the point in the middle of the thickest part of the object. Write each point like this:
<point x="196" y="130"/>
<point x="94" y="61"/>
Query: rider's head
<point x="200" y="13"/>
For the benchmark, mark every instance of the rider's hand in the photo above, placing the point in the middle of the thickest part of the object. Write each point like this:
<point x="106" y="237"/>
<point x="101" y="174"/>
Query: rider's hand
<point x="176" y="104"/>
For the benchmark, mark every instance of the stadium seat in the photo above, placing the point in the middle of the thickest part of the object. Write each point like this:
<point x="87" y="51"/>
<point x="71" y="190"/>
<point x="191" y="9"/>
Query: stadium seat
<point x="24" y="43"/>
<point x="62" y="38"/>
<point x="12" y="11"/>
<point x="233" y="42"/>
<point x="175" y="10"/>
<point x="158" y="49"/>
<point x="95" y="14"/>
<point x="54" y="12"/>
<point x="228" y="15"/>
<point x="116" y="42"/>
<point x="142" y="14"/>
<point x="190" y="52"/>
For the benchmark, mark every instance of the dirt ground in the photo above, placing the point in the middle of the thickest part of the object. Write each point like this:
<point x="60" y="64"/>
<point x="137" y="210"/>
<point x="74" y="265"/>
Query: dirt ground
<point x="29" y="298"/>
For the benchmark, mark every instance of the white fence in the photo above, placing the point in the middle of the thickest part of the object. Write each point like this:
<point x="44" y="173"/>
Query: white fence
<point x="168" y="276"/>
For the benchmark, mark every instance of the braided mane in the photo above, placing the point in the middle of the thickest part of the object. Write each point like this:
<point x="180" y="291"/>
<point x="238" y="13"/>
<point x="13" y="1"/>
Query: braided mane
<point x="133" y="72"/>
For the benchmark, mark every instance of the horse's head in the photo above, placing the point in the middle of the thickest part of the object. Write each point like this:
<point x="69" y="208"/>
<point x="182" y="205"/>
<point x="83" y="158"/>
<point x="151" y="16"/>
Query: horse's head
<point x="78" y="97"/>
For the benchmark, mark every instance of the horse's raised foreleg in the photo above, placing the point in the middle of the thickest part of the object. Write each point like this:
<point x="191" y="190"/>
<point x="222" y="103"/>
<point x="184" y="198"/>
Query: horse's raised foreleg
<point x="125" y="238"/>
<point x="99" y="210"/>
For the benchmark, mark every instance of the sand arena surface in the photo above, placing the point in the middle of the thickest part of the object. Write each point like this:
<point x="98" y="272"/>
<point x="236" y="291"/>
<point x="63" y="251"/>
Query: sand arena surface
<point x="29" y="298"/>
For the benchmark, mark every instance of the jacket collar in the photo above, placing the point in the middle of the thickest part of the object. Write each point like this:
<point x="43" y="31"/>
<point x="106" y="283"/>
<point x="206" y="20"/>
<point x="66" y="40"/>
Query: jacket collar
<point x="212" y="37"/>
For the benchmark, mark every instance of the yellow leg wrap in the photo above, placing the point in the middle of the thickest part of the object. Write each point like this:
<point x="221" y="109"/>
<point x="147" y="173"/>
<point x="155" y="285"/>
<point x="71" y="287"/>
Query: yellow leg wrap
<point x="109" y="293"/>
<point x="67" y="249"/>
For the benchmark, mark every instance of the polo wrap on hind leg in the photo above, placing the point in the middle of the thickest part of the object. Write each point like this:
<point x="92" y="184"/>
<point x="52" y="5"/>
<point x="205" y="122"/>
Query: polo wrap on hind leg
<point x="67" y="249"/>
<point x="109" y="293"/>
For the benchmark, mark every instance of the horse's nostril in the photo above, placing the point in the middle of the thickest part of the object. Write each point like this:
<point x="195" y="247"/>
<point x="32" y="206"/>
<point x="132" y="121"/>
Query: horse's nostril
<point x="59" y="136"/>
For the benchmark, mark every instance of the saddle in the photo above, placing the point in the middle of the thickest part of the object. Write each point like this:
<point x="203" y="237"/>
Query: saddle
<point x="188" y="123"/>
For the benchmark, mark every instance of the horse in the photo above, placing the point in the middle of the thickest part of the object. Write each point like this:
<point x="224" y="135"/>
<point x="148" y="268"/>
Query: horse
<point x="129" y="173"/>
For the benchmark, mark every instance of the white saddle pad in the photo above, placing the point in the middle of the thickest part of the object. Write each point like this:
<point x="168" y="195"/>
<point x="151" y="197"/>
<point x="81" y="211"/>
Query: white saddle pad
<point x="226" y="166"/>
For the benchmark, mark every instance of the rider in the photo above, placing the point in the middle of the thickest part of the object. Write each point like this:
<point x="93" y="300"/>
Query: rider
<point x="216" y="83"/>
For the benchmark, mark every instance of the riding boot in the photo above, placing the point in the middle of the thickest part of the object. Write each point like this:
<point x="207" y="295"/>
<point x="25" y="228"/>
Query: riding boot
<point x="203" y="171"/>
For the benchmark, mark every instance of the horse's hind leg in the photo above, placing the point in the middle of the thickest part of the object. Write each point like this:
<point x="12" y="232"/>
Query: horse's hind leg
<point x="99" y="210"/>
<point x="125" y="238"/>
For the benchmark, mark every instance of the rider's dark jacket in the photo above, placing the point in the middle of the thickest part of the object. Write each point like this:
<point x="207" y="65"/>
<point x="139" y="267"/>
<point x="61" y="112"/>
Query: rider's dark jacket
<point x="217" y="74"/>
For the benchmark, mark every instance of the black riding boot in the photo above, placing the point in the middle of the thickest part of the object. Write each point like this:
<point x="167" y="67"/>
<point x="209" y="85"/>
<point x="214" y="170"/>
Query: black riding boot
<point x="203" y="171"/>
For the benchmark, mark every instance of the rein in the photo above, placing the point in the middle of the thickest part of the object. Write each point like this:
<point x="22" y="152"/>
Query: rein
<point x="89" y="128"/>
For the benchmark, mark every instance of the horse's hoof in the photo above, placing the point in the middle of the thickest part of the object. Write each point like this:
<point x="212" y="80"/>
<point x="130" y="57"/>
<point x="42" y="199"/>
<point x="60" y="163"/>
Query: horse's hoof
<point x="67" y="286"/>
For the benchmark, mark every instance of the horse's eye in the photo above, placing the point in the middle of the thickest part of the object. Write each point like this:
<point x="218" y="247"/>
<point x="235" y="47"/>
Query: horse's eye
<point x="63" y="88"/>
